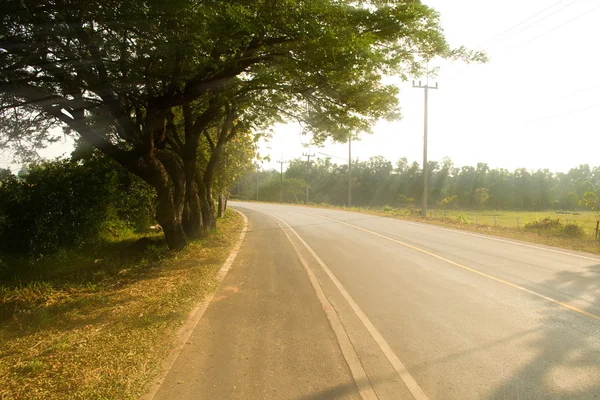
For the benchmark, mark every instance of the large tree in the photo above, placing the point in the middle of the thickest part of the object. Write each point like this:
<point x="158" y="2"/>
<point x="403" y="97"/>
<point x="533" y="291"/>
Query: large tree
<point x="145" y="80"/>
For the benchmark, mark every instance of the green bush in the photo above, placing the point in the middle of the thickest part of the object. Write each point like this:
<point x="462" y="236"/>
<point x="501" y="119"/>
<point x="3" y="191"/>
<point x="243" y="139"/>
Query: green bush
<point x="61" y="204"/>
<point x="554" y="226"/>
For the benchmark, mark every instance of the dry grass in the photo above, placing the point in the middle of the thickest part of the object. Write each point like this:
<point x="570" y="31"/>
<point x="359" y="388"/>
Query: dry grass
<point x="105" y="338"/>
<point x="586" y="243"/>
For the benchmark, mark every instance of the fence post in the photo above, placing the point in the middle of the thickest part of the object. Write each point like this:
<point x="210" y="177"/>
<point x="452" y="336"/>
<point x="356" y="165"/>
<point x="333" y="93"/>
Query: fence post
<point x="476" y="220"/>
<point x="597" y="228"/>
<point x="517" y="222"/>
<point x="495" y="224"/>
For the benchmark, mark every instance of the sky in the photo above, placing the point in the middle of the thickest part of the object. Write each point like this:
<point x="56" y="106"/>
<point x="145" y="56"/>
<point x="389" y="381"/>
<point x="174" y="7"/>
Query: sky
<point x="506" y="113"/>
<point x="534" y="105"/>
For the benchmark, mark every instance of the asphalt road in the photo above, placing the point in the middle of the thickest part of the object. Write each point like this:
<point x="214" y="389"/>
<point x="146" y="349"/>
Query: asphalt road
<point x="331" y="304"/>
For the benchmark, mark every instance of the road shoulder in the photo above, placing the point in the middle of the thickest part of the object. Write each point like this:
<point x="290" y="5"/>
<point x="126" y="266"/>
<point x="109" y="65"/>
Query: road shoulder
<point x="264" y="335"/>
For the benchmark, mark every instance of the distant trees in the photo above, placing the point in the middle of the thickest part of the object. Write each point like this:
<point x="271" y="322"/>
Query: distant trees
<point x="376" y="182"/>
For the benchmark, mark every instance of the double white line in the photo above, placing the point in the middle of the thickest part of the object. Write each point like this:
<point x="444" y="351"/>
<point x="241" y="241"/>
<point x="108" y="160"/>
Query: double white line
<point x="358" y="373"/>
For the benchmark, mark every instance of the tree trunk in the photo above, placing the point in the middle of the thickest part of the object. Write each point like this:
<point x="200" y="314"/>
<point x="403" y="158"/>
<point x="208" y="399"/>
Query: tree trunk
<point x="193" y="223"/>
<point x="225" y="202"/>
<point x="206" y="205"/>
<point x="192" y="213"/>
<point x="221" y="201"/>
<point x="171" y="188"/>
<point x="169" y="218"/>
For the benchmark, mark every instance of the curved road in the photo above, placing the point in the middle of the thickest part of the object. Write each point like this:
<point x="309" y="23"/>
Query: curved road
<point x="331" y="304"/>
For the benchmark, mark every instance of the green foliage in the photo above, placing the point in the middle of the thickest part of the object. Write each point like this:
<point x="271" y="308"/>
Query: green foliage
<point x="450" y="187"/>
<point x="62" y="204"/>
<point x="482" y="196"/>
<point x="447" y="201"/>
<point x="589" y="200"/>
<point x="554" y="227"/>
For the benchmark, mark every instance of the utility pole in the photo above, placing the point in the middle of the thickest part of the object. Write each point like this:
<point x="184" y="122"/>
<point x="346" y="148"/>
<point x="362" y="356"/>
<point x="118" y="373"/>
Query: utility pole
<point x="426" y="87"/>
<point x="350" y="170"/>
<point x="281" y="162"/>
<point x="308" y="156"/>
<point x="257" y="173"/>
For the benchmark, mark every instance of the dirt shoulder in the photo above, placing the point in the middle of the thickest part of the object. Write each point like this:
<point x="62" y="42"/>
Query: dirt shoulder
<point x="105" y="338"/>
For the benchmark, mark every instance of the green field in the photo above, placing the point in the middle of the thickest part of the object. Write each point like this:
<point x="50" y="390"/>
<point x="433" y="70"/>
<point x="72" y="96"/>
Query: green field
<point x="508" y="219"/>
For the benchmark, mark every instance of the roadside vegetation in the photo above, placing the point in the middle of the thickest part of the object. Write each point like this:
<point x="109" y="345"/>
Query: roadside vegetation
<point x="559" y="209"/>
<point x="97" y="322"/>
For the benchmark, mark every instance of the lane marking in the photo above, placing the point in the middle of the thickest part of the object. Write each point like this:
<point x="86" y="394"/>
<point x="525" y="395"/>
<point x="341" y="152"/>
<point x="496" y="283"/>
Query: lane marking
<point x="361" y="379"/>
<point x="551" y="300"/>
<point x="424" y="225"/>
<point x="398" y="366"/>
<point x="185" y="331"/>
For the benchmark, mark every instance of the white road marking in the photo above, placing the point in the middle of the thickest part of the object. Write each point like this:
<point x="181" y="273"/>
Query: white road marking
<point x="398" y="366"/>
<point x="425" y="225"/>
<point x="507" y="283"/>
<point x="185" y="331"/>
<point x="356" y="368"/>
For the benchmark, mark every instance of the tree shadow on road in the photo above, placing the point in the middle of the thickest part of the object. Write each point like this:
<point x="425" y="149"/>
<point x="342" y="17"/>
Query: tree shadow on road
<point x="567" y="360"/>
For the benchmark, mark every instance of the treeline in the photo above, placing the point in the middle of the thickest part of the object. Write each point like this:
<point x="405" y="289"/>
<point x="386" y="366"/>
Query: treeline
<point x="379" y="182"/>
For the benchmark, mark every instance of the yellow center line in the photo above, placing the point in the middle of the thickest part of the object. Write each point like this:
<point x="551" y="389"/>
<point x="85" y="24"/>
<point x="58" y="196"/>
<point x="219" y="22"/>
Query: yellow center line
<point x="551" y="300"/>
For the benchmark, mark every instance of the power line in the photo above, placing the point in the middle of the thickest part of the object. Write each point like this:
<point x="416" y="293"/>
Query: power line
<point x="542" y="19"/>
<point x="519" y="24"/>
<point x="568" y="22"/>
<point x="331" y="155"/>
<point x="560" y="115"/>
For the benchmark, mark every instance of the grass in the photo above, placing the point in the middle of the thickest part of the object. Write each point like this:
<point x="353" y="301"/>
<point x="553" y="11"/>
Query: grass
<point x="91" y="329"/>
<point x="508" y="219"/>
<point x="465" y="220"/>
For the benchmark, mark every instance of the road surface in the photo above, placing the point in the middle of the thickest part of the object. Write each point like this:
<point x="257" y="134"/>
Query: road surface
<point x="324" y="304"/>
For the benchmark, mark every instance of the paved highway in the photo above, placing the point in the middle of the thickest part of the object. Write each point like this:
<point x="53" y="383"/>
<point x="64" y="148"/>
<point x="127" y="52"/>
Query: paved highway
<point x="331" y="304"/>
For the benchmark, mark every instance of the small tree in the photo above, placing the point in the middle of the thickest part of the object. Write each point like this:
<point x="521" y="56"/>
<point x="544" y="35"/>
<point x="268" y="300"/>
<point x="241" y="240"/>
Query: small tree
<point x="445" y="202"/>
<point x="589" y="200"/>
<point x="481" y="196"/>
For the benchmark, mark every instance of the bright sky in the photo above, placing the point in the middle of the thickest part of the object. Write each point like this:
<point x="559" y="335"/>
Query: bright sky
<point x="505" y="113"/>
<point x="534" y="105"/>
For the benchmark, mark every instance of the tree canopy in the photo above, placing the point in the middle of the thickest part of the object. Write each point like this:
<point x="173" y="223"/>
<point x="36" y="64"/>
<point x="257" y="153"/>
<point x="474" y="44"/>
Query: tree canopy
<point x="152" y="84"/>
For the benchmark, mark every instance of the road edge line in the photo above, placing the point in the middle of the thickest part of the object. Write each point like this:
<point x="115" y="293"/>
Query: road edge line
<point x="361" y="379"/>
<point x="185" y="331"/>
<point x="473" y="270"/>
<point x="410" y="383"/>
<point x="517" y="242"/>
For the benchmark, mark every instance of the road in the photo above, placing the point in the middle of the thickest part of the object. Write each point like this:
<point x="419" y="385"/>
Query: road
<point x="332" y="304"/>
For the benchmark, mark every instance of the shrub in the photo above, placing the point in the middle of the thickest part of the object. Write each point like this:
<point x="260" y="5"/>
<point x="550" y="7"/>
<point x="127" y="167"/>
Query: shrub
<point x="61" y="204"/>
<point x="554" y="227"/>
<point x="544" y="224"/>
